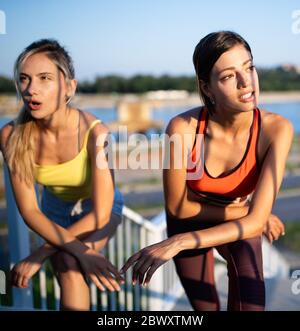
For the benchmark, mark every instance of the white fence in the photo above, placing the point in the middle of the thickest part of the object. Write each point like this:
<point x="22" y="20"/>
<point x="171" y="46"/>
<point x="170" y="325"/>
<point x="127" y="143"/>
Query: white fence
<point x="134" y="233"/>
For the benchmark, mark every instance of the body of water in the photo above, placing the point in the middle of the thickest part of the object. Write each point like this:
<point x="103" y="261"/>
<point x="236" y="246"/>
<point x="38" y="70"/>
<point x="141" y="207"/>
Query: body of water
<point x="290" y="110"/>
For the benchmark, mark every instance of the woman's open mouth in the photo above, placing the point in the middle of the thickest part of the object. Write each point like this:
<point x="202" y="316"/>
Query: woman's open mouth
<point x="247" y="97"/>
<point x="34" y="105"/>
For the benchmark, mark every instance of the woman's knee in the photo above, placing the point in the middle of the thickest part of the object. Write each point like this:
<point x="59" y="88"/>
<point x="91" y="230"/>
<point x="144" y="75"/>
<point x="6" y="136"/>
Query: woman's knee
<point x="246" y="252"/>
<point x="64" y="262"/>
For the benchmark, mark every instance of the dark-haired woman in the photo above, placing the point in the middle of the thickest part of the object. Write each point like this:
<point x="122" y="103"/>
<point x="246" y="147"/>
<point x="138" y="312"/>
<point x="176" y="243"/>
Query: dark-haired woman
<point x="57" y="146"/>
<point x="222" y="194"/>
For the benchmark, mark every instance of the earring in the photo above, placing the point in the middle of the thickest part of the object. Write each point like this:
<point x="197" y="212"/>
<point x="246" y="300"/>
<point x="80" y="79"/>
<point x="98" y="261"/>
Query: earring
<point x="212" y="101"/>
<point x="68" y="99"/>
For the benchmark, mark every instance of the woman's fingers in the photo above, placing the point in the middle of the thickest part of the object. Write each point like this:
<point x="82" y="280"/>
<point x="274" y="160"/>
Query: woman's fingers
<point x="270" y="237"/>
<point x="107" y="279"/>
<point x="97" y="282"/>
<point x="279" y="224"/>
<point x="24" y="281"/>
<point x="282" y="227"/>
<point x="274" y="228"/>
<point x="103" y="278"/>
<point x="136" y="271"/>
<point x="19" y="281"/>
<point x="151" y="271"/>
<point x="112" y="269"/>
<point x="275" y="232"/>
<point x="130" y="262"/>
<point x="279" y="229"/>
<point x="140" y="269"/>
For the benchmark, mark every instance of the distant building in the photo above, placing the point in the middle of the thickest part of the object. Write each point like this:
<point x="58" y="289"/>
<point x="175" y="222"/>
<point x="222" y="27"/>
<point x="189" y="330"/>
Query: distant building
<point x="291" y="68"/>
<point x="136" y="116"/>
<point x="167" y="94"/>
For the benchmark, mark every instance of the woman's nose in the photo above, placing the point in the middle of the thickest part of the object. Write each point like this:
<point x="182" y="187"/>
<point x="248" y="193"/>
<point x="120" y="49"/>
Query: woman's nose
<point x="32" y="88"/>
<point x="244" y="80"/>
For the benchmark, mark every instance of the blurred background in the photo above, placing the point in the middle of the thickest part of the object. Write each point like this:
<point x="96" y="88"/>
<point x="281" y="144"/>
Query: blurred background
<point x="133" y="63"/>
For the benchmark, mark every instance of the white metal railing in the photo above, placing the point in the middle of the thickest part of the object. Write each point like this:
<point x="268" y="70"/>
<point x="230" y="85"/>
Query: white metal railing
<point x="134" y="233"/>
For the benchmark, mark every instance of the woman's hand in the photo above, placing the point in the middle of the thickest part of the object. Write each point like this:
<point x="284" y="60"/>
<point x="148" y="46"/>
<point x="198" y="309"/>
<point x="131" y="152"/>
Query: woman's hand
<point x="274" y="228"/>
<point x="96" y="267"/>
<point x="149" y="259"/>
<point x="23" y="271"/>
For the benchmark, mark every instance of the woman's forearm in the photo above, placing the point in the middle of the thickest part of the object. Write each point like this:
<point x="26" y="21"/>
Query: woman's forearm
<point x="54" y="234"/>
<point x="84" y="230"/>
<point x="203" y="211"/>
<point x="91" y="241"/>
<point x="244" y="228"/>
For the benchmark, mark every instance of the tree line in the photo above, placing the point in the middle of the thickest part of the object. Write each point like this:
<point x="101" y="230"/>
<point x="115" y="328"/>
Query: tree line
<point x="274" y="79"/>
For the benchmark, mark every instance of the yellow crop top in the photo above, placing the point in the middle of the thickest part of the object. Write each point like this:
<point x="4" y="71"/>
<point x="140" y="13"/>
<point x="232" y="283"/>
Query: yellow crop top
<point x="71" y="180"/>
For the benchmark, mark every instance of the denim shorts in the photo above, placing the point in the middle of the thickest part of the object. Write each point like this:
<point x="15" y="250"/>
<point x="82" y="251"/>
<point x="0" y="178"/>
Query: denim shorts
<point x="66" y="213"/>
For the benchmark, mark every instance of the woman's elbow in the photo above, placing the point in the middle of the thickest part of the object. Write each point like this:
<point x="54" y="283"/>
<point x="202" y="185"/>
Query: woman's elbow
<point x="101" y="219"/>
<point x="175" y="210"/>
<point x="256" y="229"/>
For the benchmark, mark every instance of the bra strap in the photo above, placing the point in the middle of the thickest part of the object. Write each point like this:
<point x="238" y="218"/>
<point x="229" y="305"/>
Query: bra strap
<point x="86" y="136"/>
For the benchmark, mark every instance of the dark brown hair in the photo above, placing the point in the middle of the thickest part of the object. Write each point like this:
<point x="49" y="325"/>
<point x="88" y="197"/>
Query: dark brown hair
<point x="208" y="51"/>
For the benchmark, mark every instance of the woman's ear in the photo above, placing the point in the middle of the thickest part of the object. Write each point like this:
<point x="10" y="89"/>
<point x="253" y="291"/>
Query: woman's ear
<point x="72" y="87"/>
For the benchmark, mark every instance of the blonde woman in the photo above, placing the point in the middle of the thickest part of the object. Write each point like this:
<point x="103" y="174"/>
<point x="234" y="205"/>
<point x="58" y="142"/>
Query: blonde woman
<point x="57" y="146"/>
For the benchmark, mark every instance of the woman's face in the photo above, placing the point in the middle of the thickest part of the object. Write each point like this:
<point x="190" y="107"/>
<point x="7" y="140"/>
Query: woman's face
<point x="42" y="85"/>
<point x="234" y="82"/>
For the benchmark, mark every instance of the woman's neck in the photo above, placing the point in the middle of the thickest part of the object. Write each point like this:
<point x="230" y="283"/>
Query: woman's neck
<point x="231" y="123"/>
<point x="56" y="122"/>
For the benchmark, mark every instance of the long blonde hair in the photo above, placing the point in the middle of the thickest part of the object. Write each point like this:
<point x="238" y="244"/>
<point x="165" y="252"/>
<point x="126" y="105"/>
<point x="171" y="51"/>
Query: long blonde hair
<point x="19" y="150"/>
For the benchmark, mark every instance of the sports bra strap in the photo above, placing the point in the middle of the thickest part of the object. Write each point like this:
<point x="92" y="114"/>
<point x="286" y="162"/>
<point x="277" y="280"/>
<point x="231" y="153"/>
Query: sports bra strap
<point x="86" y="136"/>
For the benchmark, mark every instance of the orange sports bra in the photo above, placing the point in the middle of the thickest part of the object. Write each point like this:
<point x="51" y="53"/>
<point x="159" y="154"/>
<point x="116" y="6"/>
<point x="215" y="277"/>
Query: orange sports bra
<point x="233" y="185"/>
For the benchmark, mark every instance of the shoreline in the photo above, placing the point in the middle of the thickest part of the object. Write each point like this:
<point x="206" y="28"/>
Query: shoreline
<point x="9" y="104"/>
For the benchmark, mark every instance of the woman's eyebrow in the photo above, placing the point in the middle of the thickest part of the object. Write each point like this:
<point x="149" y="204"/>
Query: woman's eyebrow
<point x="39" y="74"/>
<point x="45" y="73"/>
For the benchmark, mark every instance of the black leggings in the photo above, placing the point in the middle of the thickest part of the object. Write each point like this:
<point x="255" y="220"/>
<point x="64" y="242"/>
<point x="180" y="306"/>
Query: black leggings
<point x="195" y="268"/>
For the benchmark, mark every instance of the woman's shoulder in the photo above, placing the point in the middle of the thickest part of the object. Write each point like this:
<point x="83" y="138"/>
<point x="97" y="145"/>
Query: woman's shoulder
<point x="93" y="130"/>
<point x="5" y="132"/>
<point x="273" y="123"/>
<point x="185" y="122"/>
<point x="88" y="119"/>
<point x="275" y="128"/>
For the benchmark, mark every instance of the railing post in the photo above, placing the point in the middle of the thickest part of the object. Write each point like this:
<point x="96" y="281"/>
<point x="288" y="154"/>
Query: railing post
<point x="156" y="285"/>
<point x="18" y="239"/>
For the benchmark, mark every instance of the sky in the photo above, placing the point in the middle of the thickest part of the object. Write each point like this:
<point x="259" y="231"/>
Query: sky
<point x="154" y="37"/>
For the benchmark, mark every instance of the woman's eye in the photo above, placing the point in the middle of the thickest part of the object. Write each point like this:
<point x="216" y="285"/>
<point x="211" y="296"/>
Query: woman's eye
<point x="45" y="77"/>
<point x="251" y="67"/>
<point x="227" y="77"/>
<point x="23" y="79"/>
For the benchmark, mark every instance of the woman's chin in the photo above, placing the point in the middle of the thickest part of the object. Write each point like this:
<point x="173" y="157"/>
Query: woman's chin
<point x="37" y="114"/>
